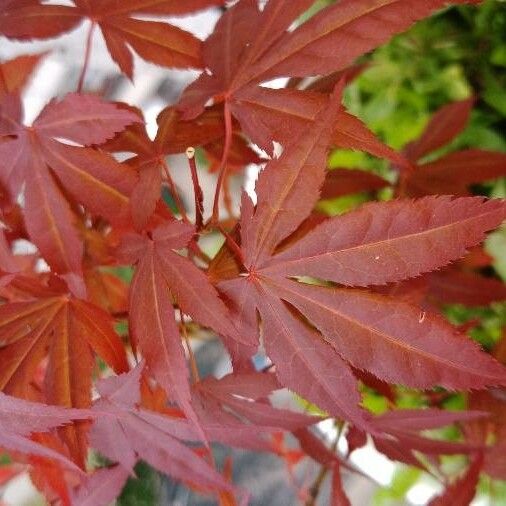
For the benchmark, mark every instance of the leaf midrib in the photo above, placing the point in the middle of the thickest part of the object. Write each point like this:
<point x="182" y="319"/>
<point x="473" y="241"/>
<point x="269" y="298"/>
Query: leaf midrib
<point x="282" y="262"/>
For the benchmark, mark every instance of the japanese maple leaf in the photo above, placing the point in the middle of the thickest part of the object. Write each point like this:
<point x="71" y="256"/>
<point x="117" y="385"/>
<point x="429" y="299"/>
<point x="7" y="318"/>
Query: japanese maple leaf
<point x="249" y="46"/>
<point x="235" y="410"/>
<point x="312" y="333"/>
<point x="124" y="433"/>
<point x="20" y="418"/>
<point x="123" y="31"/>
<point x="455" y="172"/>
<point x="162" y="275"/>
<point x="14" y="74"/>
<point x="67" y="330"/>
<point x="266" y="115"/>
<point x="56" y="177"/>
<point x="450" y="174"/>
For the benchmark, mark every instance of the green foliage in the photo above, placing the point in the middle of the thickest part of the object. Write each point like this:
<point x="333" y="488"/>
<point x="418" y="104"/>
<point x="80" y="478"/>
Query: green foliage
<point x="442" y="59"/>
<point x="144" y="490"/>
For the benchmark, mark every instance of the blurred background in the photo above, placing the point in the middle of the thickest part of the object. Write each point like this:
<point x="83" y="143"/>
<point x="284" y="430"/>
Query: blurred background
<point x="457" y="53"/>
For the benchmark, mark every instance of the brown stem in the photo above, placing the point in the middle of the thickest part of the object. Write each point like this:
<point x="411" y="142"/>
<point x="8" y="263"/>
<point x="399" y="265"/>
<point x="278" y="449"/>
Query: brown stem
<point x="223" y="163"/>
<point x="315" y="489"/>
<point x="197" y="190"/>
<point x="87" y="55"/>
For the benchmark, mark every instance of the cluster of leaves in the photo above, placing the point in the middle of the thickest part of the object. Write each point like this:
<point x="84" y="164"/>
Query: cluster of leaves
<point x="341" y="306"/>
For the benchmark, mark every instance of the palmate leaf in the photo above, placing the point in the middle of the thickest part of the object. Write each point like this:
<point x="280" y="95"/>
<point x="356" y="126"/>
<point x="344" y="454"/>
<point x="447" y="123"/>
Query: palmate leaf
<point x="450" y="174"/>
<point x="238" y="56"/>
<point x="32" y="156"/>
<point x="154" y="41"/>
<point x="396" y="341"/>
<point x="68" y="330"/>
<point x="124" y="433"/>
<point x="264" y="114"/>
<point x="233" y="414"/>
<point x="161" y="275"/>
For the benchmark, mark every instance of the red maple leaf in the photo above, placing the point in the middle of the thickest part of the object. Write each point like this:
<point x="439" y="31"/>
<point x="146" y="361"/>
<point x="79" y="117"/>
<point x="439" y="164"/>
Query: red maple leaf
<point x="157" y="42"/>
<point x="376" y="244"/>
<point x="68" y="330"/>
<point x="57" y="176"/>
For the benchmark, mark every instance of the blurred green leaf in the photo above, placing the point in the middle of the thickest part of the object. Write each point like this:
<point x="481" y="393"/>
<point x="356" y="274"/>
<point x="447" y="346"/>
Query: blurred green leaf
<point x="145" y="490"/>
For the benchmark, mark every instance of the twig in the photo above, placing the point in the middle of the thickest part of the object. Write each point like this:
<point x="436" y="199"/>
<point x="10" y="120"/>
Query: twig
<point x="223" y="163"/>
<point x="314" y="490"/>
<point x="87" y="54"/>
<point x="197" y="190"/>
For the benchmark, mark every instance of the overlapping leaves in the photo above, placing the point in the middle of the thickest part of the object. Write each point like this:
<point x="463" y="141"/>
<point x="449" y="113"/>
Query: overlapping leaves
<point x="301" y="287"/>
<point x="310" y="331"/>
<point x="56" y="176"/>
<point x="157" y="42"/>
<point x="238" y="56"/>
<point x="51" y="323"/>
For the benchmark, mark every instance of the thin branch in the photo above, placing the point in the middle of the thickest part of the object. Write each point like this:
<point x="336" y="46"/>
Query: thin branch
<point x="197" y="190"/>
<point x="315" y="489"/>
<point x="87" y="55"/>
<point x="223" y="163"/>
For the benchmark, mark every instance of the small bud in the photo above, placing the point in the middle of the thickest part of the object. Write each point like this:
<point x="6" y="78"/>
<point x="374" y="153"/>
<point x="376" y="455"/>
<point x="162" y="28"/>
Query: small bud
<point x="190" y="153"/>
